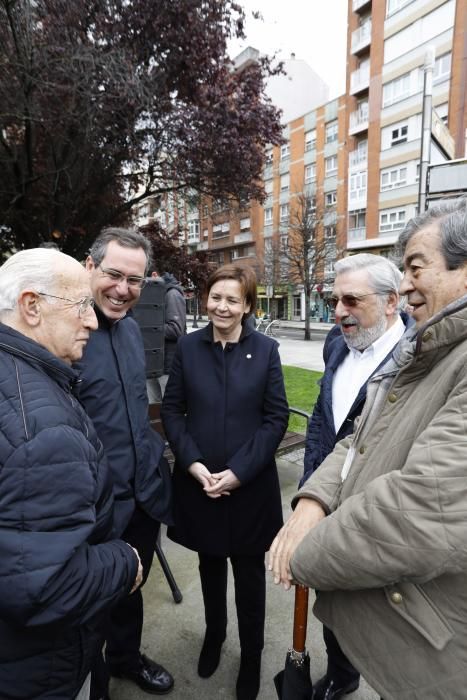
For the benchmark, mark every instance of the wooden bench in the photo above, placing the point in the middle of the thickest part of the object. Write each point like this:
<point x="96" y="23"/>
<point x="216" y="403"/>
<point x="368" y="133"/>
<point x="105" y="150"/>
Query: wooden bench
<point x="293" y="441"/>
<point x="290" y="442"/>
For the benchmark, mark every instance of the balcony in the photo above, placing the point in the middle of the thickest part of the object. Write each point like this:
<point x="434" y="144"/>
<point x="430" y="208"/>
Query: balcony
<point x="361" y="37"/>
<point x="359" y="4"/>
<point x="202" y="246"/>
<point x="359" y="119"/>
<point x="358" y="158"/>
<point x="246" y="237"/>
<point x="356" y="234"/>
<point x="360" y="79"/>
<point x="357" y="198"/>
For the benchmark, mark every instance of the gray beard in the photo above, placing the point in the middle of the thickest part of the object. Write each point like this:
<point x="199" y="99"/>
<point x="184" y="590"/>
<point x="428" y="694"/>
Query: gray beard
<point x="364" y="337"/>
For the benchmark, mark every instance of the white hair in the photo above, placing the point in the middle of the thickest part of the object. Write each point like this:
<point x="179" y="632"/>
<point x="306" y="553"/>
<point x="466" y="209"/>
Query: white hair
<point x="383" y="275"/>
<point x="35" y="268"/>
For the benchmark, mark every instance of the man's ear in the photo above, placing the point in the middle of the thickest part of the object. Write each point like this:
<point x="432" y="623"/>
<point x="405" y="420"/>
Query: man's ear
<point x="29" y="307"/>
<point x="89" y="264"/>
<point x="392" y="303"/>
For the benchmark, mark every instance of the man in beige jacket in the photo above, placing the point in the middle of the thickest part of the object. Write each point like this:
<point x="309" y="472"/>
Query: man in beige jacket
<point x="390" y="561"/>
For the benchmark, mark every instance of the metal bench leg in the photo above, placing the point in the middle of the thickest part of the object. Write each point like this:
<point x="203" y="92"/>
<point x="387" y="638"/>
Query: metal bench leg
<point x="176" y="593"/>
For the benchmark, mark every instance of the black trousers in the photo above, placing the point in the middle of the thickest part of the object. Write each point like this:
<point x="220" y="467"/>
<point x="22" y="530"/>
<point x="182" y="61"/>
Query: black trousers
<point x="124" y="625"/>
<point x="250" y="597"/>
<point x="339" y="667"/>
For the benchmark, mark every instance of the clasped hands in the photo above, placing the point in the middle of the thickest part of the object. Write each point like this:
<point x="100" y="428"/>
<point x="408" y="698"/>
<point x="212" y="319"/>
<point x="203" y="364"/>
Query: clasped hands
<point x="215" y="484"/>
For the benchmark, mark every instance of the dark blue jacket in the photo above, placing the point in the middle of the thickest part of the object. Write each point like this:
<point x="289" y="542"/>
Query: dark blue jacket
<point x="59" y="570"/>
<point x="113" y="392"/>
<point x="321" y="435"/>
<point x="227" y="409"/>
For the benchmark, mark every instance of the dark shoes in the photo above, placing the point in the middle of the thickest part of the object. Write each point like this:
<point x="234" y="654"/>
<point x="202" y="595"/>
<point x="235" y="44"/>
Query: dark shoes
<point x="249" y="676"/>
<point x="328" y="689"/>
<point x="210" y="655"/>
<point x="151" y="677"/>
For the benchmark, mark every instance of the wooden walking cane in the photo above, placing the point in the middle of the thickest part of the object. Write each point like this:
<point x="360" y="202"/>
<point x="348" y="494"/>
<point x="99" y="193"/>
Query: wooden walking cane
<point x="300" y="618"/>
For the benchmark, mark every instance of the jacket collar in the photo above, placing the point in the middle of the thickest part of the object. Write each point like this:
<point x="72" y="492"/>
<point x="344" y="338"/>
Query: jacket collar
<point x="19" y="345"/>
<point x="446" y="327"/>
<point x="207" y="333"/>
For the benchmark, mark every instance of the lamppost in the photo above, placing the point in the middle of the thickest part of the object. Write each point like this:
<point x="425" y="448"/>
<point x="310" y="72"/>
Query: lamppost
<point x="195" y="314"/>
<point x="426" y="126"/>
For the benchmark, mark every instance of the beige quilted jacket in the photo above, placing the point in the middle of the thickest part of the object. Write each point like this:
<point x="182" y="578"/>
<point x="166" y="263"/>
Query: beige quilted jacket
<point x="391" y="558"/>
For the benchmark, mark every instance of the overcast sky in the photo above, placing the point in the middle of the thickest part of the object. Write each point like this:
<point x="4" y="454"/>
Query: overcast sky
<point x="315" y="30"/>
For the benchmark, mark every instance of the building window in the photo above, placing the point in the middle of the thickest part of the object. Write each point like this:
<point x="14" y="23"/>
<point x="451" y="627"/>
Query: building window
<point x="220" y="230"/>
<point x="395" y="5"/>
<point x="357" y="186"/>
<point x="244" y="224"/>
<point x="285" y="151"/>
<point x="331" y="131"/>
<point x="144" y="211"/>
<point x="391" y="219"/>
<point x="193" y="230"/>
<point x="399" y="134"/>
<point x="268" y="216"/>
<point x="310" y="140"/>
<point x="330" y="231"/>
<point x="397" y="89"/>
<point x="205" y="233"/>
<point x="268" y="157"/>
<point x="205" y="210"/>
<point x="330" y="199"/>
<point x="284" y="212"/>
<point x="442" y="68"/>
<point x="393" y="177"/>
<point x="310" y="173"/>
<point x="330" y="165"/>
<point x="268" y="187"/>
<point x="285" y="181"/>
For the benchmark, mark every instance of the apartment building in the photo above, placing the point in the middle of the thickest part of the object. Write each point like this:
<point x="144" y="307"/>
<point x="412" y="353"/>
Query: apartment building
<point x="387" y="45"/>
<point x="309" y="164"/>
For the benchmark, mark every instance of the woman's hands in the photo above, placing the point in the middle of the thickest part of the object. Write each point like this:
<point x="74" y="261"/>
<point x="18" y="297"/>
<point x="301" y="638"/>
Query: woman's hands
<point x="217" y="484"/>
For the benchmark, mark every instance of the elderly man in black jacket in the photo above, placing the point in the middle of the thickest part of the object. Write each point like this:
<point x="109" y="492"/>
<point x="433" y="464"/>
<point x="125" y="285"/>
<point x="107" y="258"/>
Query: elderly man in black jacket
<point x="61" y="569"/>
<point x="113" y="391"/>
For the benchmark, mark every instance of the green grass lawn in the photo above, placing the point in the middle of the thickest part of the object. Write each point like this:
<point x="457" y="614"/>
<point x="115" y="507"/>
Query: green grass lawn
<point x="302" y="391"/>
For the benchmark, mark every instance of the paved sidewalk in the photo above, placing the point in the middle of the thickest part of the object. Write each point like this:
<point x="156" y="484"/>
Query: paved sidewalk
<point x="173" y="633"/>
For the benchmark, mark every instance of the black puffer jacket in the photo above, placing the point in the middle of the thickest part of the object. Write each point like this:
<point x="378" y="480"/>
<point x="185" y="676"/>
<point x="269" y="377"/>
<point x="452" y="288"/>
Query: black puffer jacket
<point x="59" y="572"/>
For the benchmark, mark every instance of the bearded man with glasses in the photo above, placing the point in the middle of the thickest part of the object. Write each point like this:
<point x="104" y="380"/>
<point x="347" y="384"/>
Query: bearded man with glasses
<point x="113" y="391"/>
<point x="369" y="325"/>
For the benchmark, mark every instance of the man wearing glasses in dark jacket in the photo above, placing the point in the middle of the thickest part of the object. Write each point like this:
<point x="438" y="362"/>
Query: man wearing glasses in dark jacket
<point x="113" y="391"/>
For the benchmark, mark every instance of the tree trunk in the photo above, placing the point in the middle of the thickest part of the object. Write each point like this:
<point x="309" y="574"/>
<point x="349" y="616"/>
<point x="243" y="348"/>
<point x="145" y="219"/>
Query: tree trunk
<point x="307" y="315"/>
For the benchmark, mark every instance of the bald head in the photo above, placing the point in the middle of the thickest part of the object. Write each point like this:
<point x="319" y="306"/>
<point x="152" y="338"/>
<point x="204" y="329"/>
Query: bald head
<point x="39" y="269"/>
<point x="46" y="295"/>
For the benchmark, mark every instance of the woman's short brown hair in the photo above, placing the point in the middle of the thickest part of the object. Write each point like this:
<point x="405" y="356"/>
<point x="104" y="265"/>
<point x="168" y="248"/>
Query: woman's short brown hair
<point x="244" y="274"/>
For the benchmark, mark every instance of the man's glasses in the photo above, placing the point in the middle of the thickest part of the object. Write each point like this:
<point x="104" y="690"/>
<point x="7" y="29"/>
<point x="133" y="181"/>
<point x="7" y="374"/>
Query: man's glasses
<point x="116" y="276"/>
<point x="83" y="304"/>
<point x="352" y="300"/>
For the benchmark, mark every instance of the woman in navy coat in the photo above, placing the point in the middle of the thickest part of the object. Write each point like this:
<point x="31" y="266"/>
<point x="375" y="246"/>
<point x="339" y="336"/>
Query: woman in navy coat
<point x="225" y="413"/>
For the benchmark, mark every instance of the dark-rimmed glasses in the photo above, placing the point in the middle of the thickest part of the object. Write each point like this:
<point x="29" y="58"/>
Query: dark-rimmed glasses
<point x="352" y="300"/>
<point x="83" y="304"/>
<point x="117" y="276"/>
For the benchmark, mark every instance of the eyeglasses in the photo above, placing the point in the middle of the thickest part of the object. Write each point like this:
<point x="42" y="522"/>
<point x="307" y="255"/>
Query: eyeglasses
<point x="83" y="304"/>
<point x="352" y="300"/>
<point x="116" y="276"/>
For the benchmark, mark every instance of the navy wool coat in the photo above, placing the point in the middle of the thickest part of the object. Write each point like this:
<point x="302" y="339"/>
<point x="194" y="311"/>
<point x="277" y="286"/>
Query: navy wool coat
<point x="226" y="407"/>
<point x="60" y="569"/>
